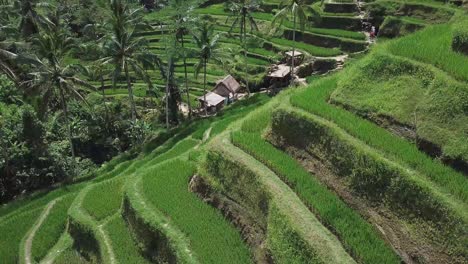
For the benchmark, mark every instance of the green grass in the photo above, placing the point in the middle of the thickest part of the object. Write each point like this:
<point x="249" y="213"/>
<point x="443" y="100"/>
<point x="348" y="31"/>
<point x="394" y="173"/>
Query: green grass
<point x="104" y="199"/>
<point x="433" y="45"/>
<point x="122" y="242"/>
<point x="13" y="230"/>
<point x="212" y="239"/>
<point x="412" y="93"/>
<point x="70" y="256"/>
<point x="358" y="236"/>
<point x="314" y="100"/>
<point x="51" y="229"/>
<point x="312" y="50"/>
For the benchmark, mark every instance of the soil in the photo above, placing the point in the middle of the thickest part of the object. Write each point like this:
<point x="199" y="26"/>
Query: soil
<point x="408" y="243"/>
<point x="252" y="233"/>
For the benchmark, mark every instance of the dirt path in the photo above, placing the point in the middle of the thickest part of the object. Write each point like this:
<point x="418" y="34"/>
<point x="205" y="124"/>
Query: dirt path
<point x="32" y="232"/>
<point x="107" y="243"/>
<point x="64" y="243"/>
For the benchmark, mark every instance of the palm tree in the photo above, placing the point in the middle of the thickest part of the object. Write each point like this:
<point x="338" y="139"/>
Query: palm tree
<point x="50" y="77"/>
<point x="242" y="11"/>
<point x="9" y="33"/>
<point x="172" y="98"/>
<point x="125" y="50"/>
<point x="298" y="10"/>
<point x="207" y="43"/>
<point x="181" y="20"/>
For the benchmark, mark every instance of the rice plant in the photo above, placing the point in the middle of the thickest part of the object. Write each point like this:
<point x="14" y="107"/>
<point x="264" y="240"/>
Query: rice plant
<point x="314" y="100"/>
<point x="311" y="49"/>
<point x="103" y="199"/>
<point x="433" y="45"/>
<point x="358" y="236"/>
<point x="122" y="242"/>
<point x="51" y="229"/>
<point x="13" y="230"/>
<point x="211" y="237"/>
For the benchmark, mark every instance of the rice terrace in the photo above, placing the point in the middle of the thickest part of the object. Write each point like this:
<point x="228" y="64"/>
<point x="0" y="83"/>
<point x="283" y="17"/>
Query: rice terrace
<point x="233" y="131"/>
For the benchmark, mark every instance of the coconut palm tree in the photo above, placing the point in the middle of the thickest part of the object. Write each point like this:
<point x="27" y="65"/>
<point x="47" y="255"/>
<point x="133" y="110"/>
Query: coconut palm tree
<point x="242" y="11"/>
<point x="50" y="76"/>
<point x="298" y="9"/>
<point x="207" y="42"/>
<point x="9" y="33"/>
<point x="181" y="21"/>
<point x="125" y="49"/>
<point x="172" y="98"/>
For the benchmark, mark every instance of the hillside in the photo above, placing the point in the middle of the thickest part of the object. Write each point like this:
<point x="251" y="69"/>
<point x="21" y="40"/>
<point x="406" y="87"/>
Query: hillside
<point x="366" y="162"/>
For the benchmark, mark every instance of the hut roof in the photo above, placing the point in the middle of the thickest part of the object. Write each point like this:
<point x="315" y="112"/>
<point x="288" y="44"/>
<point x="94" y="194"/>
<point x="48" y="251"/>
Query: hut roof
<point x="212" y="99"/>
<point x="230" y="83"/>
<point x="280" y="71"/>
<point x="296" y="53"/>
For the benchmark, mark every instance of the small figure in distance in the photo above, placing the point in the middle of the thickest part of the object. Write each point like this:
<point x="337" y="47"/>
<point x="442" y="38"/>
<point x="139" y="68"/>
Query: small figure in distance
<point x="372" y="32"/>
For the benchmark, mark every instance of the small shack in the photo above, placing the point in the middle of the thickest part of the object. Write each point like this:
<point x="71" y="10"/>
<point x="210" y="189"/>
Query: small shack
<point x="227" y="87"/>
<point x="298" y="57"/>
<point x="214" y="102"/>
<point x="279" y="76"/>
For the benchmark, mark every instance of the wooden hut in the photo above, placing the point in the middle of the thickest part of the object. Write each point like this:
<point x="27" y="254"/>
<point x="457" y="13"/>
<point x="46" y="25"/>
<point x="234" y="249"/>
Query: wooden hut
<point x="227" y="87"/>
<point x="298" y="57"/>
<point x="214" y="102"/>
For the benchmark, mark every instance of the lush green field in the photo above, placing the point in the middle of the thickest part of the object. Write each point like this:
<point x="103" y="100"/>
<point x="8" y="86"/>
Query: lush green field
<point x="50" y="231"/>
<point x="411" y="93"/>
<point x="433" y="45"/>
<point x="12" y="231"/>
<point x="104" y="199"/>
<point x="360" y="238"/>
<point x="212" y="239"/>
<point x="124" y="247"/>
<point x="314" y="100"/>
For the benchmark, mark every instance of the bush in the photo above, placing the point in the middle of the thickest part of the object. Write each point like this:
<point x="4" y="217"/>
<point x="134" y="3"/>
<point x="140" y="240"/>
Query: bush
<point x="460" y="36"/>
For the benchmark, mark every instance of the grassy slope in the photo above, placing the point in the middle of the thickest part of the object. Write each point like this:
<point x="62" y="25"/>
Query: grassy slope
<point x="360" y="238"/>
<point x="212" y="239"/>
<point x="425" y="86"/>
<point x="294" y="234"/>
<point x="12" y="231"/>
<point x="392" y="146"/>
<point x="50" y="231"/>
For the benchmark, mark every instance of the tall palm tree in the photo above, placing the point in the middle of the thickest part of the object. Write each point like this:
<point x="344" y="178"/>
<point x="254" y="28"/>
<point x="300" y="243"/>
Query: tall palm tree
<point x="125" y="50"/>
<point x="181" y="20"/>
<point x="298" y="9"/>
<point x="172" y="98"/>
<point x="208" y="48"/>
<point x="51" y="78"/>
<point x="9" y="34"/>
<point x="242" y="11"/>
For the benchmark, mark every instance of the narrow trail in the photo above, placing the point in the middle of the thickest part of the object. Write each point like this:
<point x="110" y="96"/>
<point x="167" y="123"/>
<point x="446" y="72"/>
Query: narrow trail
<point x="32" y="232"/>
<point x="107" y="243"/>
<point x="64" y="243"/>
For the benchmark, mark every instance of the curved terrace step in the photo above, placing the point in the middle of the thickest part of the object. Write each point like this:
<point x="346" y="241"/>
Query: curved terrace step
<point x="283" y="203"/>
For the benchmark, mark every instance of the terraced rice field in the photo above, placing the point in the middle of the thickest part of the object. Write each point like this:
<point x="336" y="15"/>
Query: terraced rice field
<point x="291" y="179"/>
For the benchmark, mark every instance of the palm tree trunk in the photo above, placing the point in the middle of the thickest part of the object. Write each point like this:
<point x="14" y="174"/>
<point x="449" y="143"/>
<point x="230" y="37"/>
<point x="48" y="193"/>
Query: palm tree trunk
<point x="130" y="93"/>
<point x="245" y="55"/>
<point x="186" y="80"/>
<point x="69" y="133"/>
<point x="204" y="87"/>
<point x="105" y="105"/>
<point x="294" y="49"/>
<point x="167" y="93"/>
